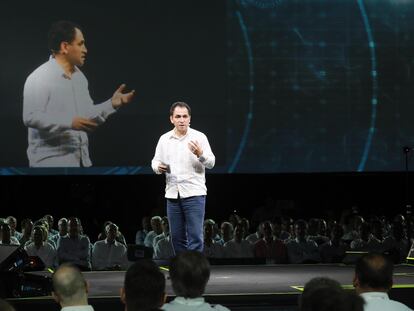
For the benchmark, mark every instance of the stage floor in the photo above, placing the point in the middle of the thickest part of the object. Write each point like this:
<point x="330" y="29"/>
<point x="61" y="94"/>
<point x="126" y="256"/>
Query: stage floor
<point x="256" y="286"/>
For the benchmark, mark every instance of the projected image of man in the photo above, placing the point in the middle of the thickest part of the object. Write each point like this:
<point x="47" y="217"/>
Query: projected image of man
<point x="183" y="154"/>
<point x="57" y="107"/>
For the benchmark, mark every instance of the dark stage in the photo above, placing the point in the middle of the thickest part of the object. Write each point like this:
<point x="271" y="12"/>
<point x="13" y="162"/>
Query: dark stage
<point x="237" y="287"/>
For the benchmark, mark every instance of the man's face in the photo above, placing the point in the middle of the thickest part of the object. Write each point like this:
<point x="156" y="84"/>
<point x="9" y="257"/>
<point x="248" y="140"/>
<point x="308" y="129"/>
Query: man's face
<point x="111" y="232"/>
<point x="180" y="119"/>
<point x="208" y="231"/>
<point x="156" y="226"/>
<point x="73" y="228"/>
<point x="63" y="227"/>
<point x="75" y="51"/>
<point x="38" y="236"/>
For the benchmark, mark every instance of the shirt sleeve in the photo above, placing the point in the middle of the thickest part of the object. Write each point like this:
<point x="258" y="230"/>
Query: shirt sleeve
<point x="156" y="161"/>
<point x="98" y="263"/>
<point x="207" y="158"/>
<point x="100" y="112"/>
<point x="36" y="96"/>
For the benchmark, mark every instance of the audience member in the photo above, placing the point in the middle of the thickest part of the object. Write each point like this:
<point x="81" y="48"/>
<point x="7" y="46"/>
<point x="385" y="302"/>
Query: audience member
<point x="372" y="280"/>
<point x="109" y="254"/>
<point x="144" y="287"/>
<point x="189" y="273"/>
<point x="70" y="290"/>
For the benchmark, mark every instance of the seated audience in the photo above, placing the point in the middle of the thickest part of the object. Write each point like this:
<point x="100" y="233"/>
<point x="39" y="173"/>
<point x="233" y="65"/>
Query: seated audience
<point x="212" y="249"/>
<point x="38" y="247"/>
<point x="75" y="247"/>
<point x="334" y="251"/>
<point x="301" y="249"/>
<point x="274" y="250"/>
<point x="238" y="247"/>
<point x="156" y="230"/>
<point x="142" y="233"/>
<point x="109" y="254"/>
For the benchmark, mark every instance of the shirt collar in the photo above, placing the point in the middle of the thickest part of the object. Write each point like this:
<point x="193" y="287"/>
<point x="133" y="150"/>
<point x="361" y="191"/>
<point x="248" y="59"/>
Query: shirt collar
<point x="189" y="301"/>
<point x="78" y="308"/>
<point x="172" y="134"/>
<point x="375" y="295"/>
<point x="107" y="243"/>
<point x="59" y="70"/>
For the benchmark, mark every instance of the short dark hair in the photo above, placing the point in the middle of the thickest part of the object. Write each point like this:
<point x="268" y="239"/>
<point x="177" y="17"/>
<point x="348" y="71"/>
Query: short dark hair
<point x="180" y="104"/>
<point x="324" y="294"/>
<point x="144" y="286"/>
<point x="375" y="271"/>
<point x="189" y="272"/>
<point x="61" y="31"/>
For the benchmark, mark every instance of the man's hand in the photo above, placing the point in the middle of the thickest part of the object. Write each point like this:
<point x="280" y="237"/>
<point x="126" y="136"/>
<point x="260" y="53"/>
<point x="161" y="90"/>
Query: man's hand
<point x="163" y="168"/>
<point x="83" y="124"/>
<point x="195" y="148"/>
<point x="120" y="99"/>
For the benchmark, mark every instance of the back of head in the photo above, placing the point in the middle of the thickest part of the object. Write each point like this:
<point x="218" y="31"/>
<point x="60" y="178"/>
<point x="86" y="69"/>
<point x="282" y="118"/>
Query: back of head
<point x="69" y="286"/>
<point x="374" y="272"/>
<point x="324" y="294"/>
<point x="144" y="286"/>
<point x="189" y="272"/>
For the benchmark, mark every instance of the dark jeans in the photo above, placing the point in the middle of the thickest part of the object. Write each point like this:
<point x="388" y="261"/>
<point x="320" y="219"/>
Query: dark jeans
<point x="186" y="217"/>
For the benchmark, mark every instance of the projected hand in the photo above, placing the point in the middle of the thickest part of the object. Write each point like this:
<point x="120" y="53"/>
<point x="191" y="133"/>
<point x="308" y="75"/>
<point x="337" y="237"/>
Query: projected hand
<point x="195" y="148"/>
<point x="120" y="99"/>
<point x="83" y="124"/>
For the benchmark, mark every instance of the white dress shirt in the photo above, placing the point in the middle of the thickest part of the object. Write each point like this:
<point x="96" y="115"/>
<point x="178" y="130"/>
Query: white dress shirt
<point x="46" y="253"/>
<point x="302" y="251"/>
<point x="164" y="249"/>
<point x="51" y="100"/>
<point x="106" y="255"/>
<point x="74" y="250"/>
<point x="187" y="172"/>
<point x="379" y="301"/>
<point x="215" y="250"/>
<point x="233" y="249"/>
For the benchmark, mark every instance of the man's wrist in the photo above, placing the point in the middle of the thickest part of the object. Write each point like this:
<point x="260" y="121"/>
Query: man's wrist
<point x="201" y="158"/>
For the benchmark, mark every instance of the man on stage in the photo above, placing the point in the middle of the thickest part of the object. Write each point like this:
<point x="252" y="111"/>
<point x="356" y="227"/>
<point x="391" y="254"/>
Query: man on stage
<point x="183" y="154"/>
<point x="57" y="107"/>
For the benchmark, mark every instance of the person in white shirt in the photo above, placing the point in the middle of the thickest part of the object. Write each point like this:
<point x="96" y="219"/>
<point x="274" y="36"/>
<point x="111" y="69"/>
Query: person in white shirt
<point x="5" y="235"/>
<point x="12" y="221"/>
<point x="301" y="249"/>
<point x="142" y="233"/>
<point x="70" y="289"/>
<point x="156" y="225"/>
<point x="212" y="249"/>
<point x="238" y="247"/>
<point x="42" y="249"/>
<point x="57" y="107"/>
<point x="165" y="231"/>
<point x="183" y="154"/>
<point x="74" y="247"/>
<point x="109" y="254"/>
<point x="163" y="248"/>
<point x="63" y="230"/>
<point x="373" y="280"/>
<point x="189" y="274"/>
